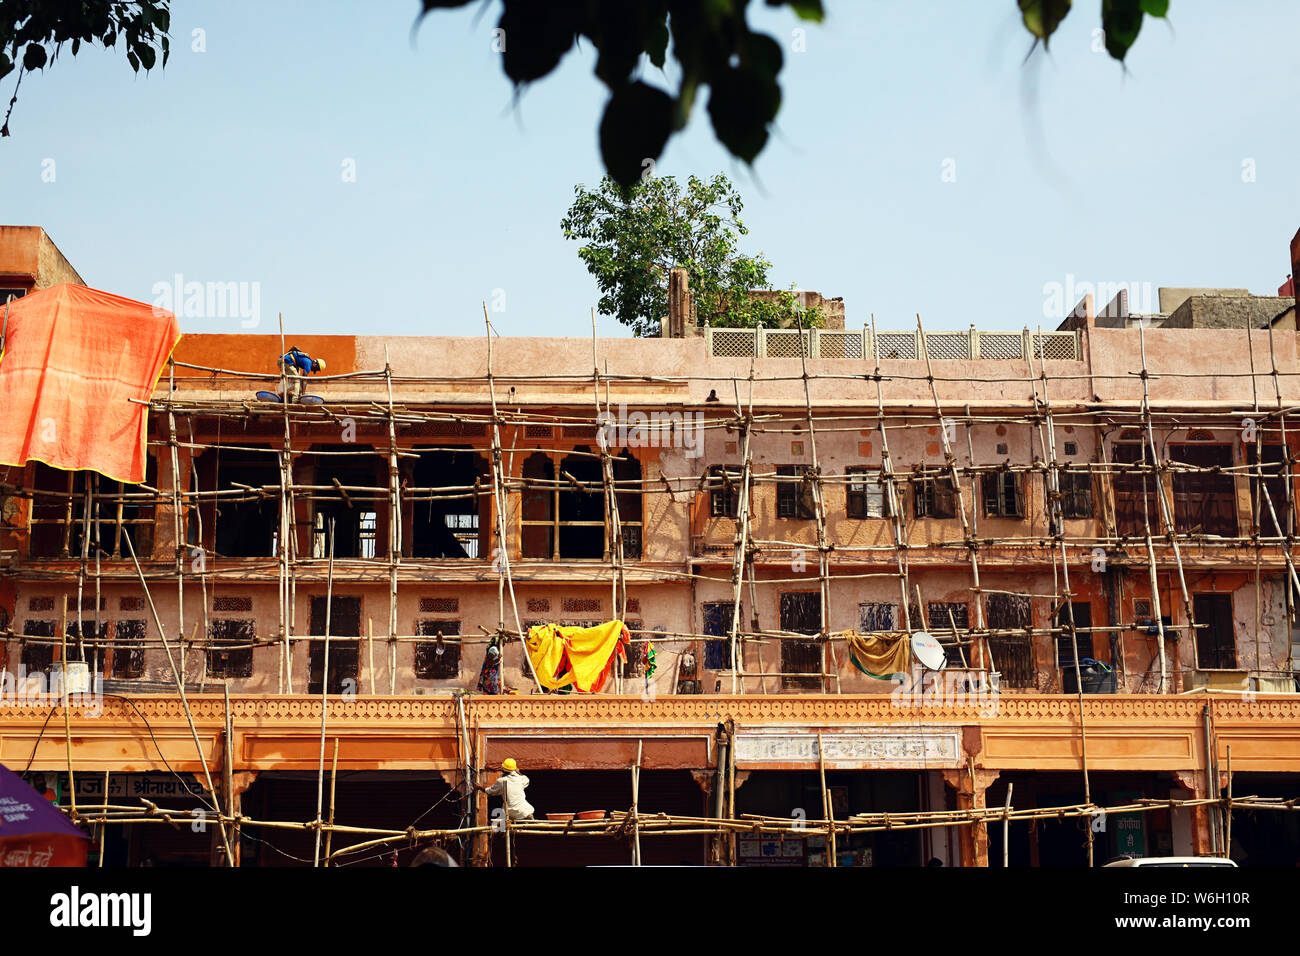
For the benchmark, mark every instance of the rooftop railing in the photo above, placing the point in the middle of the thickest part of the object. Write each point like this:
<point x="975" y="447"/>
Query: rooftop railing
<point x="861" y="345"/>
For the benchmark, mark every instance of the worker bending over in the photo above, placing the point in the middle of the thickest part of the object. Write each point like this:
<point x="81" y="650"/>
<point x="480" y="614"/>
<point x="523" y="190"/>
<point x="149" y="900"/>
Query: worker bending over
<point x="510" y="787"/>
<point x="297" y="363"/>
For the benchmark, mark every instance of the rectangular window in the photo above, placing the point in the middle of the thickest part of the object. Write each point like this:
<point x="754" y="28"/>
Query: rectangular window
<point x="118" y="512"/>
<point x="1205" y="502"/>
<point x="230" y="651"/>
<point x="1216" y="645"/>
<point x="634" y="665"/>
<point x="866" y="496"/>
<point x="877" y="617"/>
<point x="801" y="661"/>
<point x="1002" y="497"/>
<point x="451" y="497"/>
<point x="1273" y="482"/>
<point x="724" y="491"/>
<point x="1136" y="507"/>
<point x="92" y="650"/>
<point x="247" y="514"/>
<point x="345" y="655"/>
<point x="934" y="498"/>
<point x="941" y="618"/>
<point x="1013" y="654"/>
<point x="1076" y="493"/>
<point x="794" y="493"/>
<point x="437" y="659"/>
<point x="717" y="624"/>
<point x="128" y="649"/>
<point x="347" y="491"/>
<point x="1064" y="643"/>
<point x="37" y="657"/>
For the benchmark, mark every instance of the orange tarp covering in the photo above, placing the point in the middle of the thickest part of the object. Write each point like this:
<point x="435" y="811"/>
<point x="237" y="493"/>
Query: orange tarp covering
<point x="73" y="358"/>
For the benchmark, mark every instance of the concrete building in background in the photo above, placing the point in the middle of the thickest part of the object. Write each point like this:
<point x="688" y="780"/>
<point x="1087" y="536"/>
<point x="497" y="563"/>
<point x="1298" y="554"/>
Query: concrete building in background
<point x="994" y="489"/>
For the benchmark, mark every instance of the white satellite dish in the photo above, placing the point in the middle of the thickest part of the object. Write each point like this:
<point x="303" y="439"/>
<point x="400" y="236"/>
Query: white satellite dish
<point x="928" y="651"/>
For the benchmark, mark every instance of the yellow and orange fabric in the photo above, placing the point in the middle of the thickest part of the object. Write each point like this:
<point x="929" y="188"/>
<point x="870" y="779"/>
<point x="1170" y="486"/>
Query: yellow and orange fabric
<point x="578" y="657"/>
<point x="879" y="654"/>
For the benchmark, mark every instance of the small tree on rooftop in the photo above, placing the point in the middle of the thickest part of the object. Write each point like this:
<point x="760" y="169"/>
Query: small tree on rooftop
<point x="632" y="237"/>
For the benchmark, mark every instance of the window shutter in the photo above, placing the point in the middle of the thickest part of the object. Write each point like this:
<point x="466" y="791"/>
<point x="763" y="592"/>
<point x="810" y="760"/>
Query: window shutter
<point x="944" y="496"/>
<point x="989" y="485"/>
<point x="1017" y="494"/>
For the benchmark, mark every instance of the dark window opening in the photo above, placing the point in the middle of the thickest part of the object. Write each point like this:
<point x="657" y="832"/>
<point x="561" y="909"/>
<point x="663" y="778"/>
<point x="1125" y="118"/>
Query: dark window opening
<point x="794" y="493"/>
<point x="128" y="649"/>
<point x="627" y="485"/>
<point x="801" y="661"/>
<point x="1013" y="654"/>
<point x="1273" y="482"/>
<point x="1216" y="645"/>
<point x="717" y="623"/>
<point x="941" y="618"/>
<point x="347" y="490"/>
<point x="538" y="507"/>
<point x="1076" y="494"/>
<point x="37" y="658"/>
<point x="581" y="506"/>
<point x="1064" y="642"/>
<point x="877" y="617"/>
<point x="119" y="511"/>
<point x="436" y="659"/>
<point x="1136" y="506"/>
<point x="1002" y="497"/>
<point x="450" y="505"/>
<point x="345" y="655"/>
<point x="635" y="663"/>
<point x="230" y="648"/>
<point x="92" y="649"/>
<point x="246" y="517"/>
<point x="934" y="498"/>
<point x="724" y="491"/>
<point x="1204" y="502"/>
<point x="866" y="496"/>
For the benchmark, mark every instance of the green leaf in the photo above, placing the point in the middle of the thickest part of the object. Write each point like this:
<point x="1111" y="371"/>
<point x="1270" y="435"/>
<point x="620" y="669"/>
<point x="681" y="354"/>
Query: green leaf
<point x="638" y="120"/>
<point x="34" y="57"/>
<point x="6" y="65"/>
<point x="133" y="60"/>
<point x="1042" y="17"/>
<point x="1121" y="20"/>
<point x="803" y="9"/>
<point x="1155" y="8"/>
<point x="146" y="54"/>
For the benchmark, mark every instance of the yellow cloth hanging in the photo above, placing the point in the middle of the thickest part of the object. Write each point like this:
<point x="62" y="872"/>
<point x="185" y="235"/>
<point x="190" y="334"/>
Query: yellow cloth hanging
<point x="879" y="655"/>
<point x="577" y="656"/>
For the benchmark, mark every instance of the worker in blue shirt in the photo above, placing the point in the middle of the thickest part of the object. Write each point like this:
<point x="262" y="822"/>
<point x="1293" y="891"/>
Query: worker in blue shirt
<point x="296" y="364"/>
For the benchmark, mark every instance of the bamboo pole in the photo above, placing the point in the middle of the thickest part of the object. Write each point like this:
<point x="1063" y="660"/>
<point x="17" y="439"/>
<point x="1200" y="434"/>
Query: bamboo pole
<point x="334" y="776"/>
<point x="324" y="696"/>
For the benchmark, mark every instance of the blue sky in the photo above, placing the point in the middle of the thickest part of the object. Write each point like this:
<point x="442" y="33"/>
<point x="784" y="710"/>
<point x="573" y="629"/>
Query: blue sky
<point x="227" y="166"/>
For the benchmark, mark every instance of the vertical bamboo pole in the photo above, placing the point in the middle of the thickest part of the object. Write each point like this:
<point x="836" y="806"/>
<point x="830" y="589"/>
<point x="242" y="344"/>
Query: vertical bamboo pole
<point x="828" y="806"/>
<point x="324" y="695"/>
<point x="394" y="523"/>
<point x="63" y="694"/>
<point x="1006" y="831"/>
<point x="180" y="691"/>
<point x="334" y="776"/>
<point x="504" y="580"/>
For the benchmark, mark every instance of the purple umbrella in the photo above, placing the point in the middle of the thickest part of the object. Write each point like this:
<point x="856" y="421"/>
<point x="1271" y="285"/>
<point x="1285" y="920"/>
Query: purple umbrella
<point x="34" y="832"/>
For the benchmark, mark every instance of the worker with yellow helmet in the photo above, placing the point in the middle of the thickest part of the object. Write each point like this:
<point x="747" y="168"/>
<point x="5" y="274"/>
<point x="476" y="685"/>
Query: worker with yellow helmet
<point x="510" y="786"/>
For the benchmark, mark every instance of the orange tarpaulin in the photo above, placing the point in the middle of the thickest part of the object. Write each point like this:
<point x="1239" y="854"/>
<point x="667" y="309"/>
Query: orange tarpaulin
<point x="73" y="359"/>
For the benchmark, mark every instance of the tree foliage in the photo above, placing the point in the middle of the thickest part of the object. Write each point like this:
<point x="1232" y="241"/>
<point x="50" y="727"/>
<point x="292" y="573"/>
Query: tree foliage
<point x="33" y="32"/>
<point x="633" y="236"/>
<point x="714" y="47"/>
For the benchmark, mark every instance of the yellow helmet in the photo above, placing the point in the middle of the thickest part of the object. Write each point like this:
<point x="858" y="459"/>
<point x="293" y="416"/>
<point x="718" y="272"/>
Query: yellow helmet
<point x="509" y="765"/>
